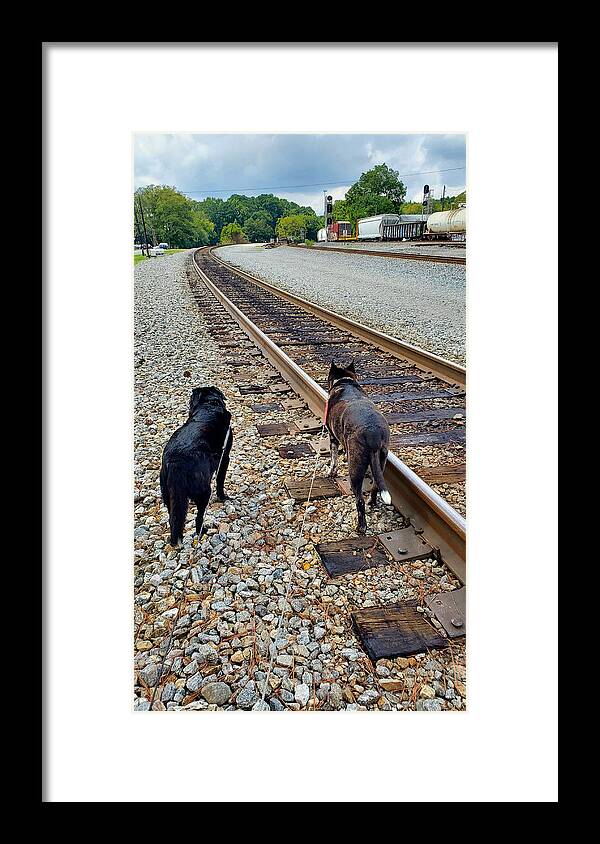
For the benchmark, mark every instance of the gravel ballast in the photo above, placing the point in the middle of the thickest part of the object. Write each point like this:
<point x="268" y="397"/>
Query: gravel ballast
<point x="441" y="250"/>
<point x="415" y="301"/>
<point x="239" y="572"/>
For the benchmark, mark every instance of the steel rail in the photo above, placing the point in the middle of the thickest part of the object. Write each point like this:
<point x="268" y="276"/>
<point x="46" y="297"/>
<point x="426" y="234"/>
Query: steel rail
<point x="380" y="253"/>
<point x="439" y="523"/>
<point x="447" y="370"/>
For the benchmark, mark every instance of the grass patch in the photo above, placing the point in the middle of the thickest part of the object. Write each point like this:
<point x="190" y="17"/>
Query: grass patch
<point x="138" y="258"/>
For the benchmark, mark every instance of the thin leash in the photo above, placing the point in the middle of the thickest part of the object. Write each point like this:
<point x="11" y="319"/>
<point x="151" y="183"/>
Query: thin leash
<point x="293" y="567"/>
<point x="184" y="587"/>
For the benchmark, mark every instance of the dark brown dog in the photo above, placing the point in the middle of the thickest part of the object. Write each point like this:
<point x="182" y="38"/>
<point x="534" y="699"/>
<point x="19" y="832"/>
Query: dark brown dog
<point x="355" y="423"/>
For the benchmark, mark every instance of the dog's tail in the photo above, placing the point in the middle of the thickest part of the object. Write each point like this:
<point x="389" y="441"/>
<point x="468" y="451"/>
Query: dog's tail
<point x="377" y="472"/>
<point x="178" y="503"/>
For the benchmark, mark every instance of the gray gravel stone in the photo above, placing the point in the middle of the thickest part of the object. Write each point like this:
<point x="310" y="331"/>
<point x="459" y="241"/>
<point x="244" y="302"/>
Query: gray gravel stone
<point x="217" y="693"/>
<point x="246" y="698"/>
<point x="302" y="693"/>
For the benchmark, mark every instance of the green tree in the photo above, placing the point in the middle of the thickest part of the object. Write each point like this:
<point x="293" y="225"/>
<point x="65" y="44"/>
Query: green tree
<point x="233" y="233"/>
<point x="378" y="191"/>
<point x="378" y="186"/>
<point x="258" y="228"/>
<point x="172" y="218"/>
<point x="292" y="227"/>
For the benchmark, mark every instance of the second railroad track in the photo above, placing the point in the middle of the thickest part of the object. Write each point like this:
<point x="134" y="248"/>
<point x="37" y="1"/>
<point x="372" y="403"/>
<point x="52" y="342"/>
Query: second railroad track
<point x="421" y="394"/>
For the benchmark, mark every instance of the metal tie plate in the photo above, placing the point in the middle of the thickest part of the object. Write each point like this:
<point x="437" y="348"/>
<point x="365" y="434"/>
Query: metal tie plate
<point x="405" y="545"/>
<point x="450" y="609"/>
<point x="322" y="446"/>
<point x="309" y="425"/>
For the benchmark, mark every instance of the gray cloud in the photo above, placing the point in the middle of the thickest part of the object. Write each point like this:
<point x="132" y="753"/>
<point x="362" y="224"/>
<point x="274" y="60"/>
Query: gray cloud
<point x="298" y="167"/>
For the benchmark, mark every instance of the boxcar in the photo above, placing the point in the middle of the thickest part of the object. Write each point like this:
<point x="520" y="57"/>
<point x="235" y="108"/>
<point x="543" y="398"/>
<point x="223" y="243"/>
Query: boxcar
<point x="341" y="230"/>
<point x="371" y="228"/>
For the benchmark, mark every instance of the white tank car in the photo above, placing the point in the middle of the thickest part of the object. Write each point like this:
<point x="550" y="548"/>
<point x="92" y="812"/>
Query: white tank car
<point x="322" y="234"/>
<point x="371" y="228"/>
<point x="446" y="222"/>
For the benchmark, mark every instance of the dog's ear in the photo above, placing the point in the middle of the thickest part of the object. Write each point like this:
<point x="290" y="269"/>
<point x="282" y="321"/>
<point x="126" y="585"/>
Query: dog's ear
<point x="196" y="398"/>
<point x="351" y="367"/>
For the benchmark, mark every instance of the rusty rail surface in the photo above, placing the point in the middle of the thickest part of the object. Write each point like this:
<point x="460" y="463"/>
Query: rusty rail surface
<point x="380" y="253"/>
<point x="447" y="370"/>
<point x="428" y="512"/>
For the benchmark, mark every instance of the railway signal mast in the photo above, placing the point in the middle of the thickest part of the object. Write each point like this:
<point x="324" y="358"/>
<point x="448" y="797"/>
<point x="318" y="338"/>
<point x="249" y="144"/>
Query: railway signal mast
<point x="328" y="212"/>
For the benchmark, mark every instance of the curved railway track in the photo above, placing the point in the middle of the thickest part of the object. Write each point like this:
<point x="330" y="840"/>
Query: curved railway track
<point x="422" y="395"/>
<point x="380" y="253"/>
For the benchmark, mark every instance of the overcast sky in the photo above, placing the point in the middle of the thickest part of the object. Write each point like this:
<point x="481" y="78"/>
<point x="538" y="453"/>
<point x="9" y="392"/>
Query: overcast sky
<point x="297" y="167"/>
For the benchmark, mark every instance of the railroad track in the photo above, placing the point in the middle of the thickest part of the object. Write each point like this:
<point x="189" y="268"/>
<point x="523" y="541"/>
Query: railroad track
<point x="380" y="253"/>
<point x="422" y="395"/>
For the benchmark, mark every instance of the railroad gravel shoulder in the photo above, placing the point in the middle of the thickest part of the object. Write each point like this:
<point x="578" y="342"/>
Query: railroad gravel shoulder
<point x="437" y="250"/>
<point x="240" y="570"/>
<point x="418" y="302"/>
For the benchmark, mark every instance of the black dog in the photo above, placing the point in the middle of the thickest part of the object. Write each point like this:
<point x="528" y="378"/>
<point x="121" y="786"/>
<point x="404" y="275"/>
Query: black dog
<point x="191" y="457"/>
<point x="355" y="423"/>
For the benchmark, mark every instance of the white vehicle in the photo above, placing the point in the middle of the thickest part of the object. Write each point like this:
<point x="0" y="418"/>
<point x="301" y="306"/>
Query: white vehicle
<point x="371" y="228"/>
<point x="156" y="251"/>
<point x="322" y="234"/>
<point x="163" y="245"/>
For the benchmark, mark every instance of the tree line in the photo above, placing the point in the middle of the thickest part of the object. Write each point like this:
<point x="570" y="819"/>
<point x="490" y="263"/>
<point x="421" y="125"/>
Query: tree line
<point x="173" y="218"/>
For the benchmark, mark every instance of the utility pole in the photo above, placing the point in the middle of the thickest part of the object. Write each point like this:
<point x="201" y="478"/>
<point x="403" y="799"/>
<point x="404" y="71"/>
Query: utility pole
<point x="443" y="197"/>
<point x="138" y="229"/>
<point x="144" y="224"/>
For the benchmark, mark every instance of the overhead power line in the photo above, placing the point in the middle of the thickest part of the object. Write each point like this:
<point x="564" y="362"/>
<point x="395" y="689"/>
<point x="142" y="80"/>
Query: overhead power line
<point x="312" y="184"/>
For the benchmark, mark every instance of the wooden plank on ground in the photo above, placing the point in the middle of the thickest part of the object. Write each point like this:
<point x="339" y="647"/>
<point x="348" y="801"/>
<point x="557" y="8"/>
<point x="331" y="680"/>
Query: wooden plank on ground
<point x="349" y="556"/>
<point x="266" y="408"/>
<point x="295" y="451"/>
<point x="458" y="435"/>
<point x="395" y="630"/>
<point x="443" y="474"/>
<point x="322" y="487"/>
<point x="273" y="429"/>
<point x="425" y="415"/>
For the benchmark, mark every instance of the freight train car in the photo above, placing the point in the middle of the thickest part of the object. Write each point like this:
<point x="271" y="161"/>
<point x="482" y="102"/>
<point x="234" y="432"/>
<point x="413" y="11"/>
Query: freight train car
<point x="405" y="229"/>
<point x="340" y="230"/>
<point x="371" y="228"/>
<point x="449" y="224"/>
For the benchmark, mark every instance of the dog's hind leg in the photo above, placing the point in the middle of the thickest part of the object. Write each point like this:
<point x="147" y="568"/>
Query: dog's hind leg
<point x="357" y="471"/>
<point x="333" y="468"/>
<point x="164" y="489"/>
<point x="224" y="465"/>
<point x="201" y="502"/>
<point x="177" y="515"/>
